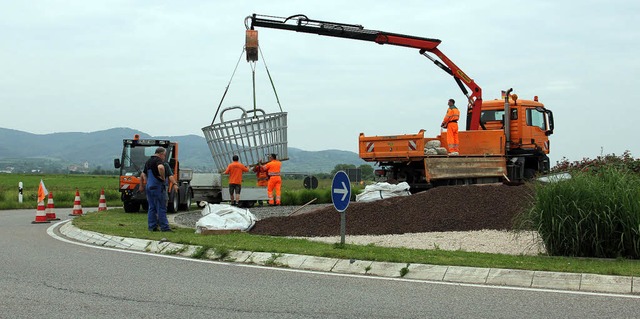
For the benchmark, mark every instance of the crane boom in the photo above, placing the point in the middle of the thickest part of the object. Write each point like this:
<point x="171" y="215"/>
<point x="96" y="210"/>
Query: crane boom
<point x="301" y="23"/>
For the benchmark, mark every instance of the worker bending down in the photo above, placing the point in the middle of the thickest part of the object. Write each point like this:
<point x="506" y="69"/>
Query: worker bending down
<point x="450" y="123"/>
<point x="275" y="181"/>
<point x="262" y="177"/>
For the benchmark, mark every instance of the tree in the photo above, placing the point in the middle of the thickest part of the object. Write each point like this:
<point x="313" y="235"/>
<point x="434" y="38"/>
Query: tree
<point x="367" y="172"/>
<point x="341" y="167"/>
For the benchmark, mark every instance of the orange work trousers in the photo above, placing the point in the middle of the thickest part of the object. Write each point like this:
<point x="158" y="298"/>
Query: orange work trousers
<point x="452" y="137"/>
<point x="275" y="182"/>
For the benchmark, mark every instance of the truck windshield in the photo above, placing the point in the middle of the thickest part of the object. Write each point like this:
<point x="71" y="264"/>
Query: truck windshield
<point x="133" y="159"/>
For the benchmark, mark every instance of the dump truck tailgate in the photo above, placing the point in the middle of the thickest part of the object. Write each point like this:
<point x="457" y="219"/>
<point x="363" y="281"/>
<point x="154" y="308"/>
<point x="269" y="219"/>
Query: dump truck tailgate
<point x="454" y="167"/>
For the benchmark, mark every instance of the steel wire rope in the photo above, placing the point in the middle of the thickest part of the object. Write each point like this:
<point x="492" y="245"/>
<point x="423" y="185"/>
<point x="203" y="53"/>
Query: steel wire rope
<point x="229" y="84"/>
<point x="270" y="79"/>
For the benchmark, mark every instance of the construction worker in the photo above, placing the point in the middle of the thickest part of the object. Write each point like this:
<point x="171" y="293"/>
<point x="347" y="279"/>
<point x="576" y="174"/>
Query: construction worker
<point x="261" y="176"/>
<point x="235" y="170"/>
<point x="275" y="181"/>
<point x="450" y="123"/>
<point x="153" y="177"/>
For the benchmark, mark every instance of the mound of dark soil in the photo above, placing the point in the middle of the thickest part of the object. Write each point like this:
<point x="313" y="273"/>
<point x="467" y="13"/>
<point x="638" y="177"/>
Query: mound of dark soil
<point x="447" y="208"/>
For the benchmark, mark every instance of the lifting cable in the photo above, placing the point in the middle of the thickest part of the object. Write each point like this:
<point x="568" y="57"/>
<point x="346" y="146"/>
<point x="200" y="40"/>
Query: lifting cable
<point x="253" y="78"/>
<point x="270" y="79"/>
<point x="227" y="89"/>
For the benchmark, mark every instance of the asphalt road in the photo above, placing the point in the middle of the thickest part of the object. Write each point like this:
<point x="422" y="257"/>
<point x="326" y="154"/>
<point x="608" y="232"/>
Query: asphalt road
<point x="46" y="277"/>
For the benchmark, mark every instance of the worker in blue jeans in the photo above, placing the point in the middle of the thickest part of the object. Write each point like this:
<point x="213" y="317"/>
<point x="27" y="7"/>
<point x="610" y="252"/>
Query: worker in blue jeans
<point x="154" y="177"/>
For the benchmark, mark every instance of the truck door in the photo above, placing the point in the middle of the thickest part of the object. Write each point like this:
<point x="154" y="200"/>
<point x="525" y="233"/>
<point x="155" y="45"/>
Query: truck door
<point x="535" y="129"/>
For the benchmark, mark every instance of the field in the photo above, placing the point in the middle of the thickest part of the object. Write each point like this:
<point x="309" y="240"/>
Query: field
<point x="63" y="188"/>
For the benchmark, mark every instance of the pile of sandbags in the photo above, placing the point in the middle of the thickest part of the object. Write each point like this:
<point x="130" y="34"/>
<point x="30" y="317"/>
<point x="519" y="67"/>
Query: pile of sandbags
<point x="217" y="217"/>
<point x="383" y="190"/>
<point x="433" y="148"/>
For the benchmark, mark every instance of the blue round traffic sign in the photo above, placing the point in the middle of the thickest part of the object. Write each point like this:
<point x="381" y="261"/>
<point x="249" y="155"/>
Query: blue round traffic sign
<point x="340" y="191"/>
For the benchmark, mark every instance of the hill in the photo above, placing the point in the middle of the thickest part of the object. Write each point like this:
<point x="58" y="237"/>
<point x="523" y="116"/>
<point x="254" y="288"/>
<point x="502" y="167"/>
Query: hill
<point x="61" y="152"/>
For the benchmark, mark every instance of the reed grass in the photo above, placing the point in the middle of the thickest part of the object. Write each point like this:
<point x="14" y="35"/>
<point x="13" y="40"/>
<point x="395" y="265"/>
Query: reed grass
<point x="590" y="215"/>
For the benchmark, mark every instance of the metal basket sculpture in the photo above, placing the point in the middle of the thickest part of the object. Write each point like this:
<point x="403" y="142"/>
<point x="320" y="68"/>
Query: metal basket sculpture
<point x="252" y="137"/>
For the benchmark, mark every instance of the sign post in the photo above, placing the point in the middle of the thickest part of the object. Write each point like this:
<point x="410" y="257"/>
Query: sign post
<point x="340" y="196"/>
<point x="20" y="192"/>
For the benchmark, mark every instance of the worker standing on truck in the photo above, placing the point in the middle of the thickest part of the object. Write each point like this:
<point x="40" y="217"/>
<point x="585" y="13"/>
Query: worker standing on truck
<point x="275" y="181"/>
<point x="450" y="123"/>
<point x="235" y="170"/>
<point x="153" y="175"/>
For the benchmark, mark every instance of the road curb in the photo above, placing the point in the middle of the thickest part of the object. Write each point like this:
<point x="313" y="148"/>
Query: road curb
<point x="593" y="283"/>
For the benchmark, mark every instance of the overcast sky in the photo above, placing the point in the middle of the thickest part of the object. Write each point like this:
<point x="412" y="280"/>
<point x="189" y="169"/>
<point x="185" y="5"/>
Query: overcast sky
<point x="162" y="67"/>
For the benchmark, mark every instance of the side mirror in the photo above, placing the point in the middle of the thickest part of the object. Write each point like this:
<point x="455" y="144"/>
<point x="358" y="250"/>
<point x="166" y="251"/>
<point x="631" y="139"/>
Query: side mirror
<point x="116" y="163"/>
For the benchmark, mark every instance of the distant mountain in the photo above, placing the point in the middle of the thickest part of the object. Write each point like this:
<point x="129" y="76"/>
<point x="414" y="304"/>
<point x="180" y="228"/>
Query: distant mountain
<point x="57" y="152"/>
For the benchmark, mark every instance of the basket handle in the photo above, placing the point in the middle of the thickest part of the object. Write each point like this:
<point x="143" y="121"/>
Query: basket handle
<point x="244" y="113"/>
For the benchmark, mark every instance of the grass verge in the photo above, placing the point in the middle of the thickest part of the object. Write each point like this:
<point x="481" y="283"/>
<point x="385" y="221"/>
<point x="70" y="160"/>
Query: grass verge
<point x="117" y="222"/>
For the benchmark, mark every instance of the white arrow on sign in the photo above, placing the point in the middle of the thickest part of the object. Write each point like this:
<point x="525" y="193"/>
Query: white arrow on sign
<point x="344" y="191"/>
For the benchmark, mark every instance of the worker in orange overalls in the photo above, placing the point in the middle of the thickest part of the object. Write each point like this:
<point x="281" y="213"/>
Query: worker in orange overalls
<point x="261" y="176"/>
<point x="450" y="123"/>
<point x="275" y="181"/>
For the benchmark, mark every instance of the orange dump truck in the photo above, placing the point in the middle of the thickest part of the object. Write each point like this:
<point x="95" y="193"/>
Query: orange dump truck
<point x="494" y="153"/>
<point x="492" y="149"/>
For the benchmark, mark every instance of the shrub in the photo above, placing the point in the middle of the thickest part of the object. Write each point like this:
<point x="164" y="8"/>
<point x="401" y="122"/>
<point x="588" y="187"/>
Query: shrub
<point x="624" y="161"/>
<point x="594" y="214"/>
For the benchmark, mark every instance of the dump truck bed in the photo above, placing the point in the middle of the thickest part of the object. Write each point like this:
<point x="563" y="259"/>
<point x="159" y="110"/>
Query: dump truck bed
<point x="481" y="154"/>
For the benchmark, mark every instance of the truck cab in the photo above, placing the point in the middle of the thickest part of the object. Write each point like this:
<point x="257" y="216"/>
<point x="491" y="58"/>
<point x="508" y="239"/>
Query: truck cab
<point x="135" y="153"/>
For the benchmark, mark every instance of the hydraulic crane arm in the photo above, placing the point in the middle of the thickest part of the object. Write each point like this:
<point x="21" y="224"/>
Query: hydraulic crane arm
<point x="301" y="23"/>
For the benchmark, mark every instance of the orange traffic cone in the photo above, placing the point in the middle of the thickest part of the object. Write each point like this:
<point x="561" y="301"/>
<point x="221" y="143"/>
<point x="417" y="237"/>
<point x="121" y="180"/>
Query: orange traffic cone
<point x="51" y="214"/>
<point x="77" y="207"/>
<point x="41" y="216"/>
<point x="103" y="201"/>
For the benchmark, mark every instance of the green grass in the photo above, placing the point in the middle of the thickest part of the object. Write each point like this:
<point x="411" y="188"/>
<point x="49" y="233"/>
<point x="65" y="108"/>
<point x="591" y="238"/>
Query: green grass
<point x="63" y="187"/>
<point x="116" y="222"/>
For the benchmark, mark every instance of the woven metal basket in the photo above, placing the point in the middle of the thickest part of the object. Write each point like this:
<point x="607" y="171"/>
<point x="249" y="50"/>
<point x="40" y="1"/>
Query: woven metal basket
<point x="252" y="136"/>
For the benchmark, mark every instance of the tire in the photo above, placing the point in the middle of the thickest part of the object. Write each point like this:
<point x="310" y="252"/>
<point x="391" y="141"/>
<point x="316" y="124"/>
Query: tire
<point x="187" y="202"/>
<point x="172" y="206"/>
<point x="529" y="173"/>
<point x="247" y="203"/>
<point x="131" y="206"/>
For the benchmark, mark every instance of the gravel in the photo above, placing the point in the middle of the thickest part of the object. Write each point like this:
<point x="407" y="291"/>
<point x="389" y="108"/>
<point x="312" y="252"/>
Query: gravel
<point x="466" y="218"/>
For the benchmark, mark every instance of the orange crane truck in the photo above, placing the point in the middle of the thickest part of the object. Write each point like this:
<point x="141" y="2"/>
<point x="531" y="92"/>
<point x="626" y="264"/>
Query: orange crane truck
<point x="506" y="140"/>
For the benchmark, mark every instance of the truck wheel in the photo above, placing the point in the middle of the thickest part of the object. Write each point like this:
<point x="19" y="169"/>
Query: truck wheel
<point x="247" y="203"/>
<point x="172" y="206"/>
<point x="131" y="206"/>
<point x="529" y="173"/>
<point x="187" y="202"/>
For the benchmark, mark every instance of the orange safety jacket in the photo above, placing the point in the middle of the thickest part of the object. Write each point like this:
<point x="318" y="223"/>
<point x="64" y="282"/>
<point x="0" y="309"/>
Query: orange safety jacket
<point x="273" y="168"/>
<point x="235" y="170"/>
<point x="453" y="115"/>
<point x="261" y="174"/>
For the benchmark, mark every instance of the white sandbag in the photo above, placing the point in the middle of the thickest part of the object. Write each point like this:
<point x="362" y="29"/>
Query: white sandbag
<point x="383" y="190"/>
<point x="430" y="151"/>
<point x="225" y="217"/>
<point x="441" y="151"/>
<point x="433" y="144"/>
